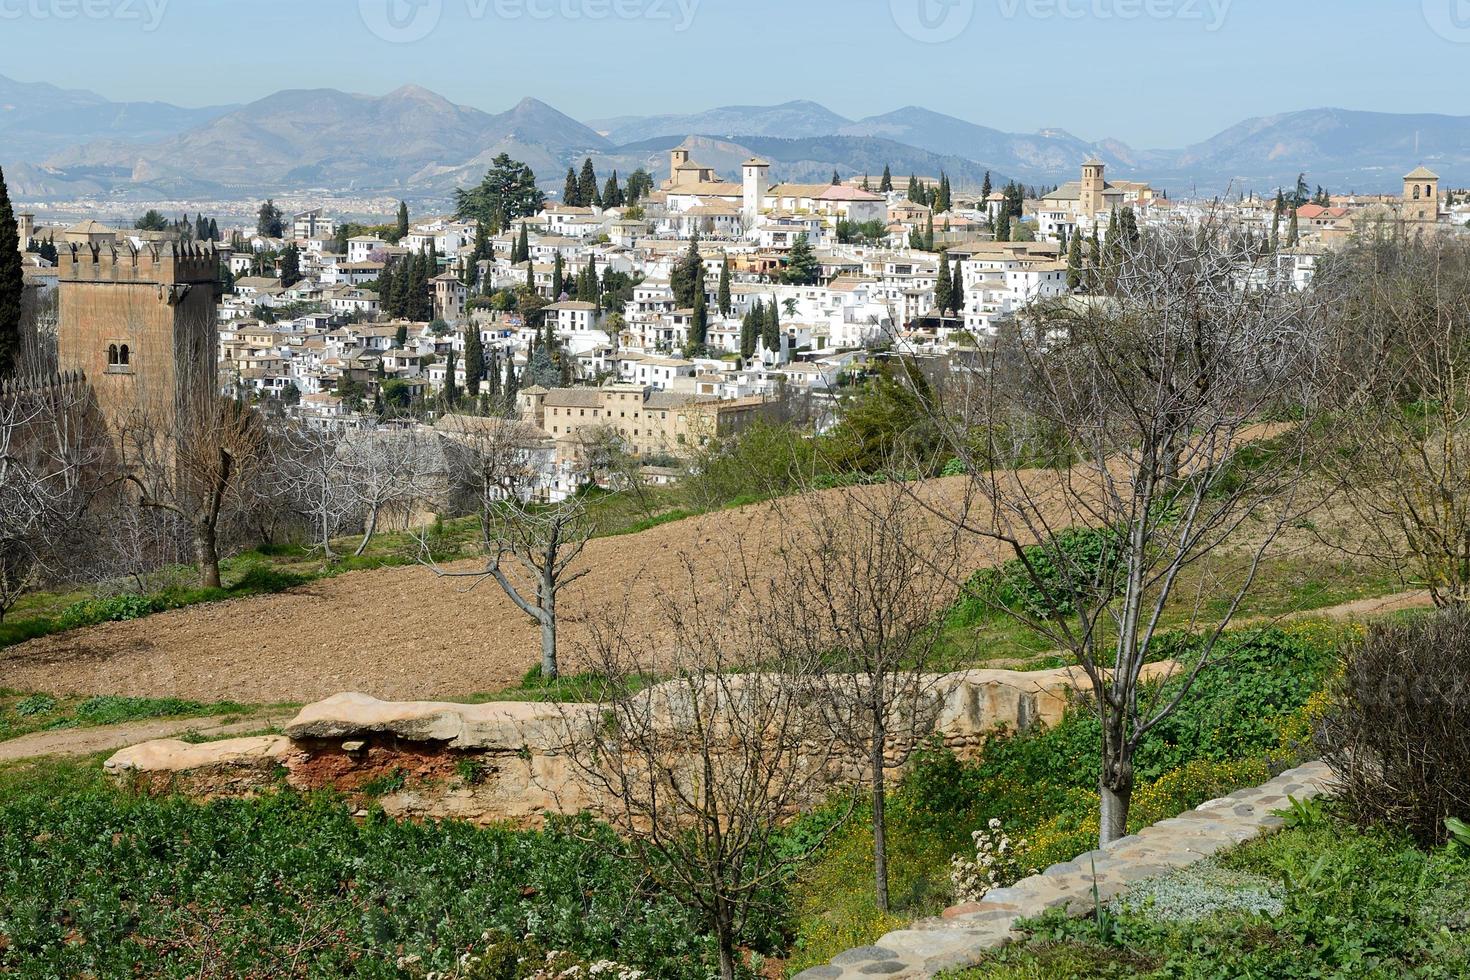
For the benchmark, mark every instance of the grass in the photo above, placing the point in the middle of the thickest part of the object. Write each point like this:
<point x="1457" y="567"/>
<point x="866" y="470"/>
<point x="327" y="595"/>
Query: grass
<point x="975" y="634"/>
<point x="568" y="689"/>
<point x="25" y="713"/>
<point x="1355" y="903"/>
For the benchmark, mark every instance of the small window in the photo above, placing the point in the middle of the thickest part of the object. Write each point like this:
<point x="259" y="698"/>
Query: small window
<point x="112" y="354"/>
<point x="122" y="355"/>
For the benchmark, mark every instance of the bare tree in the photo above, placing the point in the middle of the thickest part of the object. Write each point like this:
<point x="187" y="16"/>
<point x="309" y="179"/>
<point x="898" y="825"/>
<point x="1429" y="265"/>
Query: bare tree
<point x="697" y="773"/>
<point x="1403" y="409"/>
<point x="540" y="541"/>
<point x="194" y="468"/>
<point x="860" y="579"/>
<point x="389" y="467"/>
<point x="312" y="471"/>
<point x="50" y="458"/>
<point x="1156" y="403"/>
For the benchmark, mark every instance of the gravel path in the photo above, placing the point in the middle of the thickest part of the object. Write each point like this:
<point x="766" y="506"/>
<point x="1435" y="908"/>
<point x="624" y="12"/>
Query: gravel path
<point x="107" y="738"/>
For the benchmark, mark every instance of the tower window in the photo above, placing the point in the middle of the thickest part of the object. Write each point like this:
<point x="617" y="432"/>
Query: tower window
<point x="122" y="355"/>
<point x="1416" y="192"/>
<point x="112" y="354"/>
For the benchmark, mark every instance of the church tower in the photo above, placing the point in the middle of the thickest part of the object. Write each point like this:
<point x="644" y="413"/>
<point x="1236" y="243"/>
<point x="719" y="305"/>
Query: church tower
<point x="141" y="326"/>
<point x="756" y="175"/>
<point x="1421" y="196"/>
<point x="1090" y="196"/>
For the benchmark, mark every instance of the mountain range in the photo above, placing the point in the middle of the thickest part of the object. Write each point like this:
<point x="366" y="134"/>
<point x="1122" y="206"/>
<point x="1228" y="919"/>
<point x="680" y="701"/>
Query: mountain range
<point x="413" y="143"/>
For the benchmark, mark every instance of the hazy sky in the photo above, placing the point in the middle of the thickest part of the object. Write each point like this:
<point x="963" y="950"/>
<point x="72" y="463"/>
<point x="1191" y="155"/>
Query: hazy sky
<point x="1150" y="72"/>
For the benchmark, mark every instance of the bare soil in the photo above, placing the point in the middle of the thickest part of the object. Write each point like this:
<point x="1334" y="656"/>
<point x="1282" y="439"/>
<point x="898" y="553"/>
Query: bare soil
<point x="399" y="633"/>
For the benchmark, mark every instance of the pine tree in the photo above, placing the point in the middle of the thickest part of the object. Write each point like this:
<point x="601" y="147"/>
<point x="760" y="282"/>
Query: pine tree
<point x="474" y="361"/>
<point x="985" y="188"/>
<point x="571" y="194"/>
<point x="724" y="294"/>
<point x="802" y="267"/>
<point x="402" y="229"/>
<point x="290" y="266"/>
<point x="1003" y="225"/>
<point x="943" y="294"/>
<point x="688" y="275"/>
<point x="587" y="192"/>
<point x="1074" y="263"/>
<point x="12" y="284"/>
<point x="886" y="184"/>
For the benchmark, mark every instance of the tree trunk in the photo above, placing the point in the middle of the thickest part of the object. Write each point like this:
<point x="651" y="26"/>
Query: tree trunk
<point x="372" y="528"/>
<point x="1115" y="803"/>
<point x="548" y="631"/>
<point x="206" y="556"/>
<point x="880" y="825"/>
<point x="727" y="956"/>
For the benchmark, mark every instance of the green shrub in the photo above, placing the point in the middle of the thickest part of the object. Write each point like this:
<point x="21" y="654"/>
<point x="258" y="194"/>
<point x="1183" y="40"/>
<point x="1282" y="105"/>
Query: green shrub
<point x="36" y="704"/>
<point x="90" y="612"/>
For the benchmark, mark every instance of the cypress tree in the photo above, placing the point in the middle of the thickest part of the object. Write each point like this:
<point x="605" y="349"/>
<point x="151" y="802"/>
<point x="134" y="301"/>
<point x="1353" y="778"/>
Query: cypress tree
<point x="587" y="191"/>
<point x="724" y="296"/>
<point x="594" y="287"/>
<point x="750" y="328"/>
<point x="929" y="234"/>
<point x="12" y="284"/>
<point x="1094" y="260"/>
<point x="558" y="277"/>
<point x="531" y="276"/>
<point x="886" y="184"/>
<point x="985" y="187"/>
<point x="866" y="187"/>
<point x="474" y="361"/>
<point x="835" y="179"/>
<point x="698" y="325"/>
<point x="213" y="230"/>
<point x="1003" y="225"/>
<point x="771" y="329"/>
<point x="1074" y="263"/>
<point x="612" y="194"/>
<point x="451" y="386"/>
<point x="493" y="376"/>
<point x="943" y="288"/>
<point x="524" y="244"/>
<point x="512" y="385"/>
<point x="1292" y="232"/>
<point x="571" y="194"/>
<point x="402" y="228"/>
<point x="957" y="287"/>
<point x="400" y="338"/>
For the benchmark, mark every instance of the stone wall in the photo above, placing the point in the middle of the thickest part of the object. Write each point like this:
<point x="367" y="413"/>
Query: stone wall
<point x="508" y="762"/>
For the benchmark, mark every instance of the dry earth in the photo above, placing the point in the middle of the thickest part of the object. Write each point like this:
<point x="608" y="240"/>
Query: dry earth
<point x="398" y="633"/>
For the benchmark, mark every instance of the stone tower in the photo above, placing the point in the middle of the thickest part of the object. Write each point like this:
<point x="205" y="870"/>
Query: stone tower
<point x="1421" y="196"/>
<point x="1090" y="195"/>
<point x="141" y="326"/>
<point x="756" y="174"/>
<point x="677" y="159"/>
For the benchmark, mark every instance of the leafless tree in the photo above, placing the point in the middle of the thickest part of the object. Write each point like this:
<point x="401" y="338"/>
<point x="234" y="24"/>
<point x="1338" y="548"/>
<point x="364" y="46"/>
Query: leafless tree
<point x="389" y="467"/>
<point x="50" y="465"/>
<point x="697" y="773"/>
<point x="1158" y="404"/>
<point x="529" y="547"/>
<point x="1402" y="409"/>
<point x="858" y="583"/>
<point x="194" y="468"/>
<point x="313" y="472"/>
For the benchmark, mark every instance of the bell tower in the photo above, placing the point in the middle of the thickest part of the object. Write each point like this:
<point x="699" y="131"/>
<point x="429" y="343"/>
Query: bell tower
<point x="1090" y="196"/>
<point x="1421" y="196"/>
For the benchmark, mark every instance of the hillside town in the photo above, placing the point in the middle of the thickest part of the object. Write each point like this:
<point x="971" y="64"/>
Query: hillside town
<point x="688" y="305"/>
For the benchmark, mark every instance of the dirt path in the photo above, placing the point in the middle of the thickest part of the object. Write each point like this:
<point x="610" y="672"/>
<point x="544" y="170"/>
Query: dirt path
<point x="106" y="738"/>
<point x="398" y="633"/>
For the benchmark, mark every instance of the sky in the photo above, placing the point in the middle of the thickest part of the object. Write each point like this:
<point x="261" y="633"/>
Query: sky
<point x="1153" y="73"/>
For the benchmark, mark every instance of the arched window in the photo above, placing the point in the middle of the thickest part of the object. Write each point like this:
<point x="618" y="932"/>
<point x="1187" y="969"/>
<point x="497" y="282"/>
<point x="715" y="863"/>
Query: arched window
<point x="112" y="353"/>
<point x="1416" y="192"/>
<point x="122" y="354"/>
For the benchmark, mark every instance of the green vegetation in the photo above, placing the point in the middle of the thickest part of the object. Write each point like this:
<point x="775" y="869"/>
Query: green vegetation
<point x="1349" y="903"/>
<point x="1244" y="717"/>
<point x="22" y="714"/>
<point x="105" y="883"/>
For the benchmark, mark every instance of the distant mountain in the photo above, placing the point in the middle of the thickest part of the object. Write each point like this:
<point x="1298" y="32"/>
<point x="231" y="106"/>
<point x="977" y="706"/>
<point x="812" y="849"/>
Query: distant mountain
<point x="791" y="119"/>
<point x="1339" y="148"/>
<point x="58" y="143"/>
<point x="409" y="139"/>
<point x="38" y="119"/>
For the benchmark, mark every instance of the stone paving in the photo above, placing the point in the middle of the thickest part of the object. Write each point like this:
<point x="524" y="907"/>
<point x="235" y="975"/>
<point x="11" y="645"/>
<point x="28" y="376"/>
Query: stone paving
<point x="961" y="935"/>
